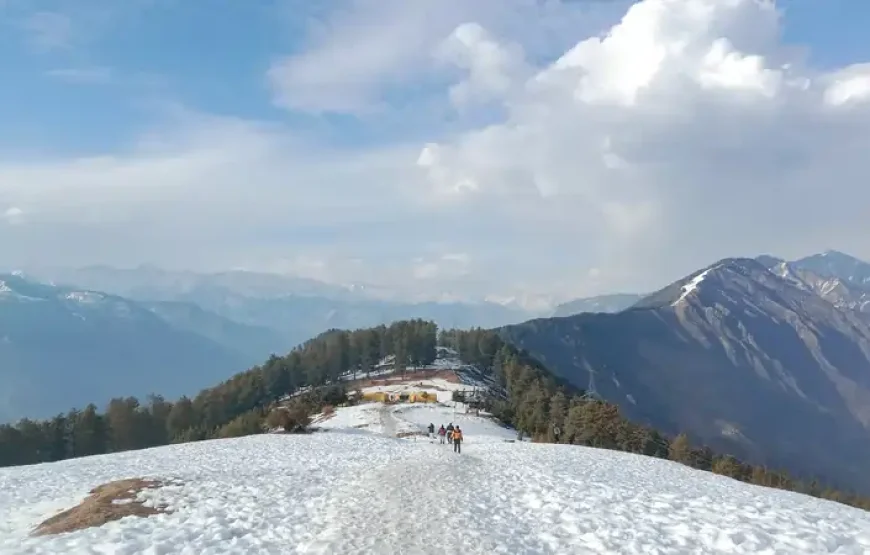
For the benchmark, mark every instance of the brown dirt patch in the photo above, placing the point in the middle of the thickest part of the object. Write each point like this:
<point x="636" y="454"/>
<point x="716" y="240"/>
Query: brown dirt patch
<point x="108" y="502"/>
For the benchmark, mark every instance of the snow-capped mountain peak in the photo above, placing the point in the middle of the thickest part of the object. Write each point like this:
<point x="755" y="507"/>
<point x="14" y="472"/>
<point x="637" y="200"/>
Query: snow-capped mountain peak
<point x="840" y="292"/>
<point x="835" y="264"/>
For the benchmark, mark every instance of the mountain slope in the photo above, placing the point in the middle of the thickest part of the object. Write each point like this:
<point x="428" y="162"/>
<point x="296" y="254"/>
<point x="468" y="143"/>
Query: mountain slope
<point x="251" y="342"/>
<point x="840" y="292"/>
<point x="735" y="356"/>
<point x="842" y="280"/>
<point x="837" y="265"/>
<point x="300" y="318"/>
<point x="153" y="283"/>
<point x="616" y="302"/>
<point x="61" y="347"/>
<point x="359" y="492"/>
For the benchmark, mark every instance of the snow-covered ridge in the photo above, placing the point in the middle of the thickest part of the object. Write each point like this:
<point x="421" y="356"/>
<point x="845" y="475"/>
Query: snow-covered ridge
<point x="356" y="490"/>
<point x="15" y="287"/>
<point x="9" y="292"/>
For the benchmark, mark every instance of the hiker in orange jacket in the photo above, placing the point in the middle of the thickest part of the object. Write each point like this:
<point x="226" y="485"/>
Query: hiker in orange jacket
<point x="457" y="440"/>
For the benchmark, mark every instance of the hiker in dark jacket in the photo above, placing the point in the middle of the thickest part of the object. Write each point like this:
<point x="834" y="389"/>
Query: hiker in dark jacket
<point x="450" y="433"/>
<point x="442" y="433"/>
<point x="457" y="440"/>
<point x="431" y="429"/>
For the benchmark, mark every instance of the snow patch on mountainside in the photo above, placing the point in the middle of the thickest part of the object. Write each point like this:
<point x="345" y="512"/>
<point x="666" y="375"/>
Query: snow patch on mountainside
<point x="692" y="285"/>
<point x="84" y="297"/>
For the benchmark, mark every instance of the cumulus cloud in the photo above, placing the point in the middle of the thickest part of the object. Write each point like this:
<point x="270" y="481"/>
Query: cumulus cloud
<point x="492" y="68"/>
<point x="356" y="56"/>
<point x="685" y="133"/>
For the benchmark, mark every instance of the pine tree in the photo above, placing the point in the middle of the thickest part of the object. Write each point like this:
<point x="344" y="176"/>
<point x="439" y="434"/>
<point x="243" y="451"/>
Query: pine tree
<point x="681" y="450"/>
<point x="558" y="412"/>
<point x="90" y="432"/>
<point x="727" y="466"/>
<point x="180" y="418"/>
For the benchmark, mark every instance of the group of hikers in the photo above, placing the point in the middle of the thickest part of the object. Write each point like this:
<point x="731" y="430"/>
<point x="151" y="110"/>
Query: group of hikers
<point x="451" y="432"/>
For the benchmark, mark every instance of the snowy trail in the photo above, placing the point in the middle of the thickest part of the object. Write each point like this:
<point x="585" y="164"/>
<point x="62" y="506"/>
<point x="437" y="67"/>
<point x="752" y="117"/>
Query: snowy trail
<point x="388" y="421"/>
<point x="430" y="506"/>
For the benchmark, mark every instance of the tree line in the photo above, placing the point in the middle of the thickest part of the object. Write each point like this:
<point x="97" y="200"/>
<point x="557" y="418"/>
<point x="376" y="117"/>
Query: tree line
<point x="238" y="406"/>
<point x="310" y="377"/>
<point x="553" y="411"/>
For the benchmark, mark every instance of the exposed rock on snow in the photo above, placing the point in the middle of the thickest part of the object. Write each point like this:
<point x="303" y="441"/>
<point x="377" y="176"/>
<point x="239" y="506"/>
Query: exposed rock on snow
<point x="108" y="502"/>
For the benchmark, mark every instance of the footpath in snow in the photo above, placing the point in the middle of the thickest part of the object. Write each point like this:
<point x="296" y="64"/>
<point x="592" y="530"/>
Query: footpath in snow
<point x="354" y="489"/>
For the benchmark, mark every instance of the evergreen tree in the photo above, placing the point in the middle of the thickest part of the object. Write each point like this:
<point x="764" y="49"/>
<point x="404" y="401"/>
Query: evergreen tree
<point x="181" y="417"/>
<point x="681" y="450"/>
<point x="90" y="432"/>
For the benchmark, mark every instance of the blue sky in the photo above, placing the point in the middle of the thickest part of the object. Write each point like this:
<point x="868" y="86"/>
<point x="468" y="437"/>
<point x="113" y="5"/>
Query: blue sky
<point x="213" y="56"/>
<point x="428" y="146"/>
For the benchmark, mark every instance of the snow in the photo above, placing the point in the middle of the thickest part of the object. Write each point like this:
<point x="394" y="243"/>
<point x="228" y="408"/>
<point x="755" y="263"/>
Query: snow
<point x="692" y="285"/>
<point x="354" y="489"/>
<point x="361" y="417"/>
<point x="476" y="429"/>
<point x="84" y="297"/>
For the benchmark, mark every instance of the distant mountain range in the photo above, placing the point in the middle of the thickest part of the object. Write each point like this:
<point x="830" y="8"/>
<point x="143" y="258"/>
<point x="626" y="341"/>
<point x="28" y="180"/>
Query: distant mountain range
<point x="63" y="347"/>
<point x="764" y="358"/>
<point x="294" y="308"/>
<point x="116" y="332"/>
<point x="616" y="302"/>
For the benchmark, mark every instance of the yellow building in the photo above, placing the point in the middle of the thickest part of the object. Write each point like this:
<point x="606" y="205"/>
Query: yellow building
<point x="404" y="397"/>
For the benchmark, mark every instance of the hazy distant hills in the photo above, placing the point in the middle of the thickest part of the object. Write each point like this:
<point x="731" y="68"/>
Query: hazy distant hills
<point x="133" y="332"/>
<point x="603" y="303"/>
<point x="63" y="347"/>
<point x="292" y="309"/>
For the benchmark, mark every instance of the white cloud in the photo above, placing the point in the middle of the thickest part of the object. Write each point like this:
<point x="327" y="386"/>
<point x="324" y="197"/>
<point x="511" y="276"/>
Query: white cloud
<point x="492" y="68"/>
<point x="204" y="189"/>
<point x="850" y="85"/>
<point x="684" y="134"/>
<point x="13" y="215"/>
<point x="446" y="267"/>
<point x="358" y="55"/>
<point x="83" y="75"/>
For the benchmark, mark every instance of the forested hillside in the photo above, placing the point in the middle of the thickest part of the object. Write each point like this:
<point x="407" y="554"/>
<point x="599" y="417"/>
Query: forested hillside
<point x="551" y="410"/>
<point x="237" y="406"/>
<point x="536" y="403"/>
